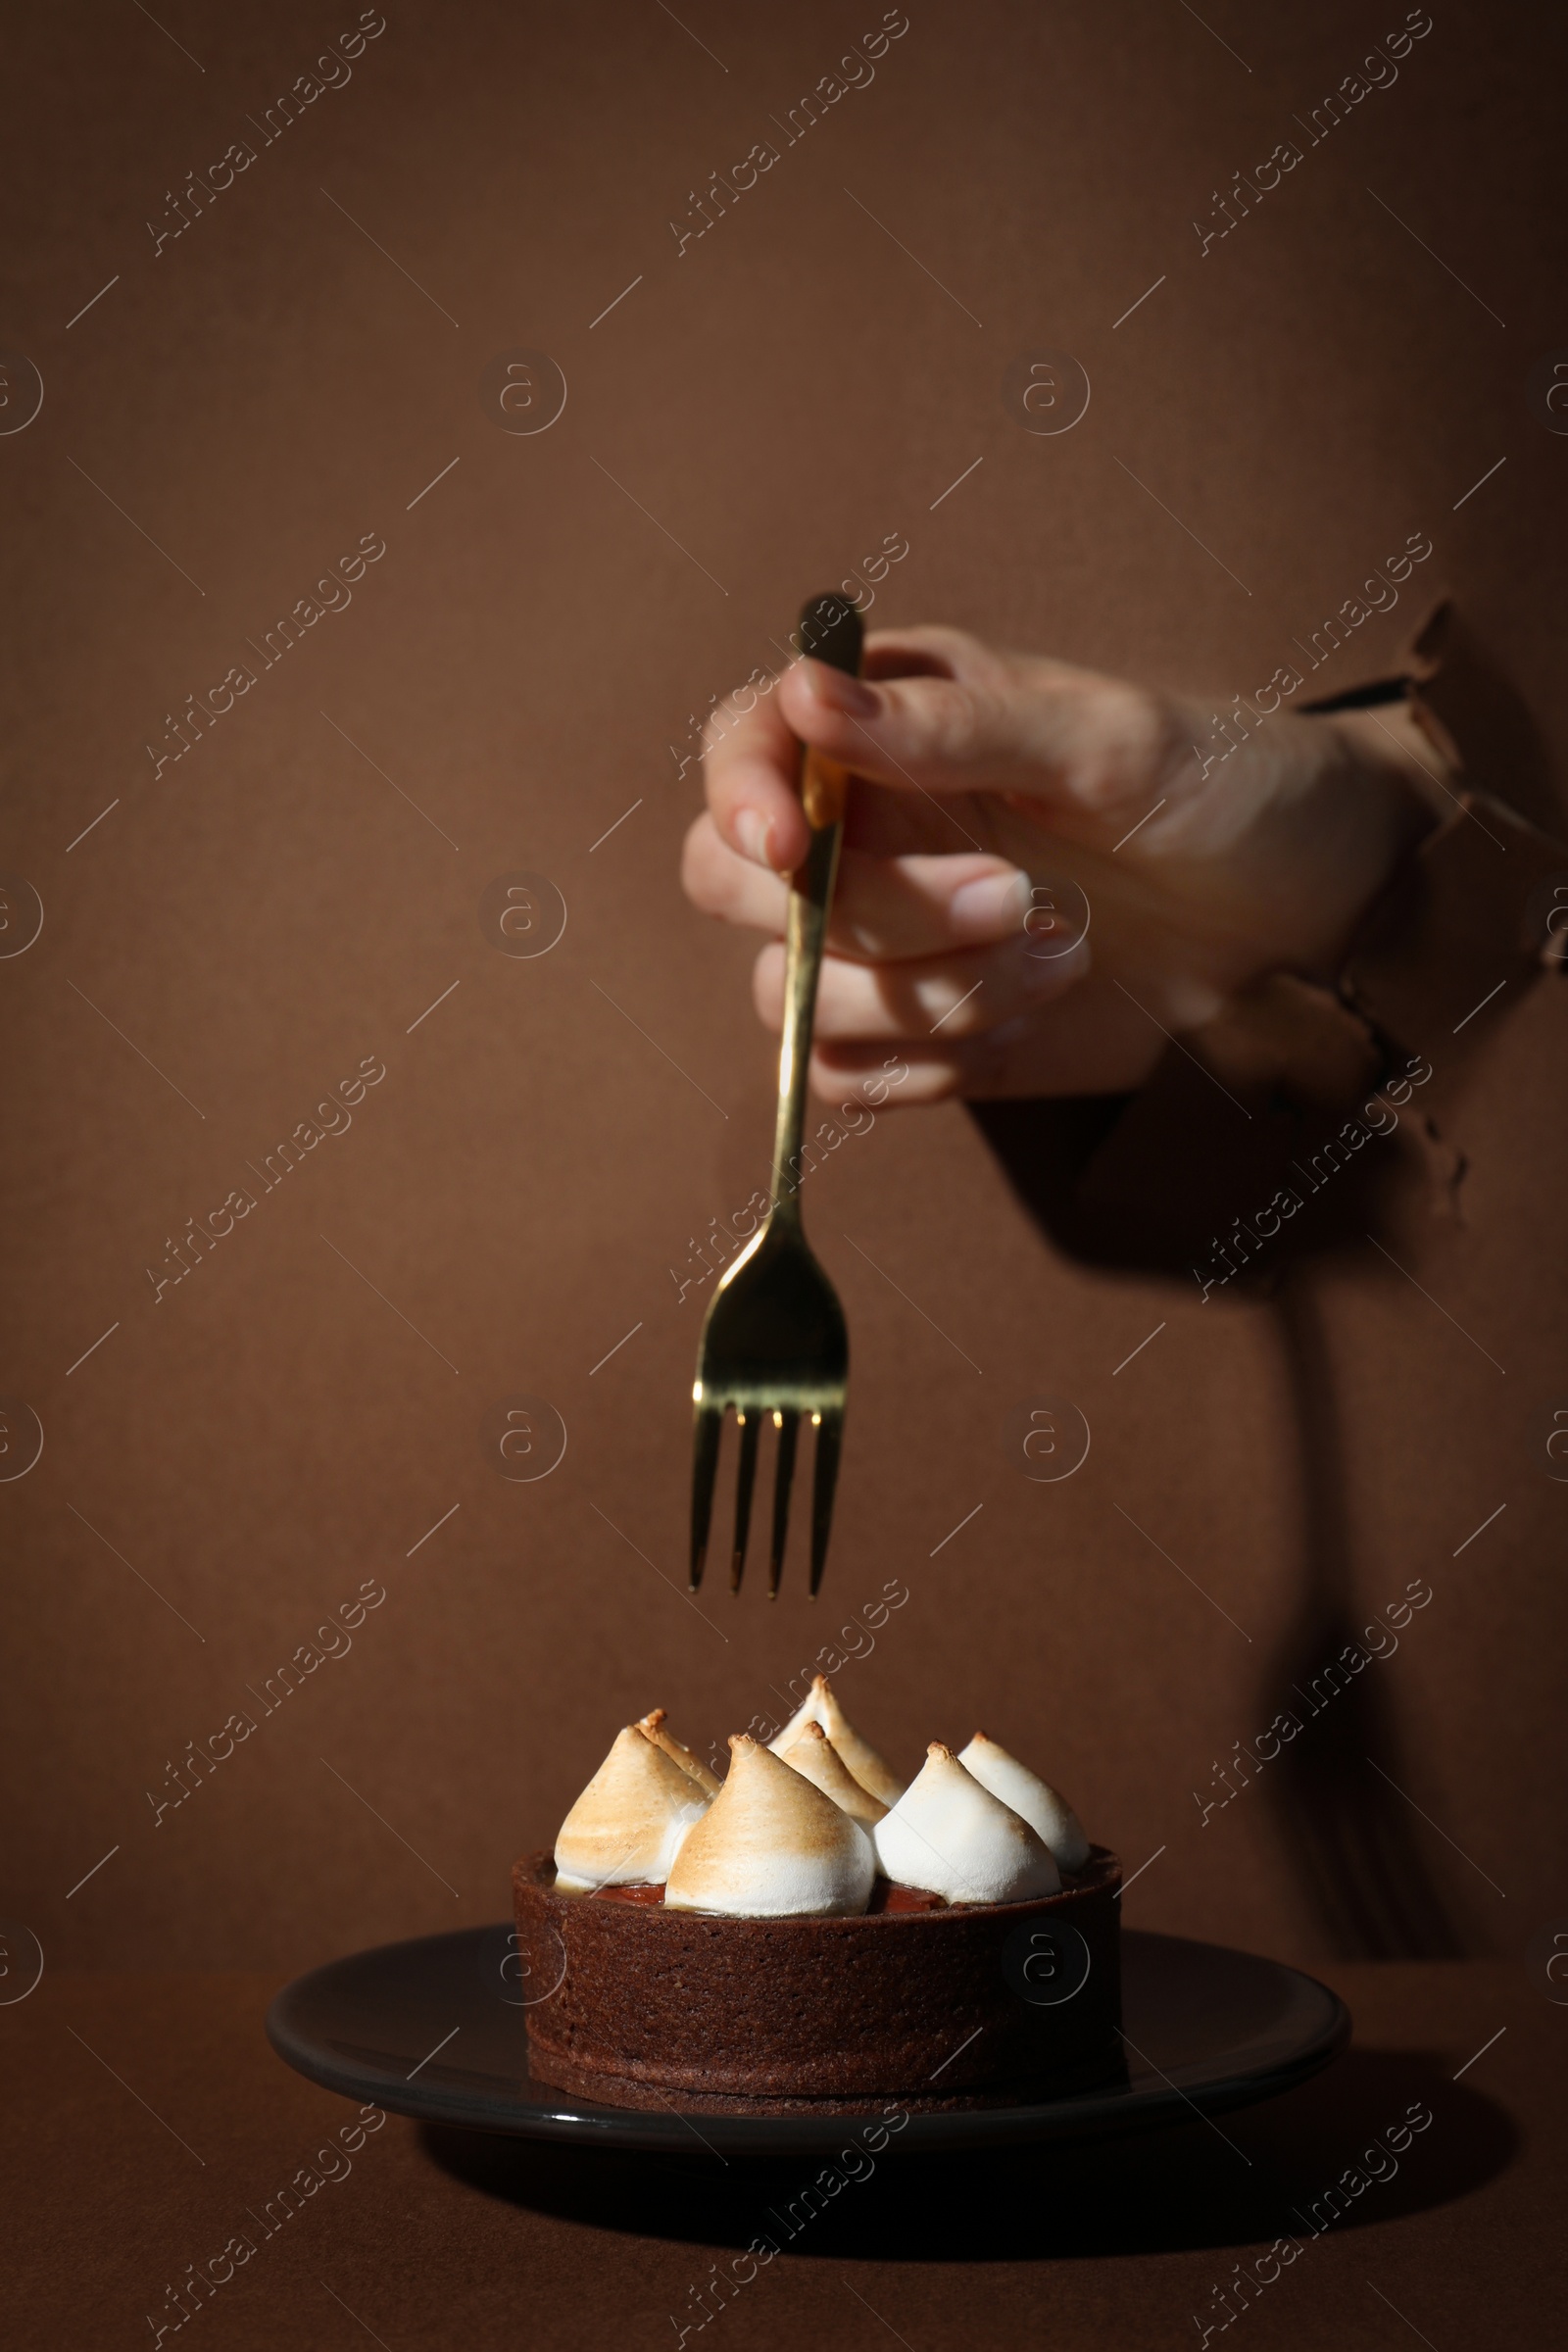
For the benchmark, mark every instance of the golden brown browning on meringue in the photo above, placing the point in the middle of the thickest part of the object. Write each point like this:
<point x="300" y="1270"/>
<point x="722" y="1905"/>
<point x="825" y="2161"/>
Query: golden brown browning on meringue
<point x="628" y="1824"/>
<point x="813" y="1753"/>
<point x="652" y="1724"/>
<point x="771" y="1846"/>
<point x="819" y="1706"/>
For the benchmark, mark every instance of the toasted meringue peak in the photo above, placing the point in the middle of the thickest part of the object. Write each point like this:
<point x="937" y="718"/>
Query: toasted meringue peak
<point x="652" y="1724"/>
<point x="819" y="1706"/>
<point x="814" y="1754"/>
<point x="628" y="1824"/>
<point x="1033" y="1799"/>
<point x="771" y="1846"/>
<point x="948" y="1835"/>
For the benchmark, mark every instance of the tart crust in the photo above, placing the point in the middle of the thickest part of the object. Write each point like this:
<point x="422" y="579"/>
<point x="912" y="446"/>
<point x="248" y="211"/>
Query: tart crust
<point x="930" y="2007"/>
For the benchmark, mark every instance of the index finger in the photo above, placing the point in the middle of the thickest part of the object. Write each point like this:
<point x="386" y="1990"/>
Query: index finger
<point x="751" y="769"/>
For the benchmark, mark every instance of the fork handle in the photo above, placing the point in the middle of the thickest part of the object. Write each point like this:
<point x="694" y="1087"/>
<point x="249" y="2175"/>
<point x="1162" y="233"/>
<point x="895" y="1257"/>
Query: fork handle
<point x="829" y="631"/>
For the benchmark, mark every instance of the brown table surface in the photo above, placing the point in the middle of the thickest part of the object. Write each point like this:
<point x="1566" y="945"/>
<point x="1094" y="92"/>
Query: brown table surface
<point x="147" y="2114"/>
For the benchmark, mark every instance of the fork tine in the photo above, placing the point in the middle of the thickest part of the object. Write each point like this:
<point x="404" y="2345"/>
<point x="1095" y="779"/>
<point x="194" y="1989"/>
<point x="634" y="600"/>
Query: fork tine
<point x="746" y="1476"/>
<point x="787" y="1421"/>
<point x="709" y="1424"/>
<point x="829" y="1439"/>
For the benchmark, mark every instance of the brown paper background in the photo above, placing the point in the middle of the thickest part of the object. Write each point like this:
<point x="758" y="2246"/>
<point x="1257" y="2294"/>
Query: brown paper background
<point x="267" y="910"/>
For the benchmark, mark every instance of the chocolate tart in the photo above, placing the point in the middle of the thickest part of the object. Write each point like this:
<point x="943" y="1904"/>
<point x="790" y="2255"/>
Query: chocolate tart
<point x="933" y="2004"/>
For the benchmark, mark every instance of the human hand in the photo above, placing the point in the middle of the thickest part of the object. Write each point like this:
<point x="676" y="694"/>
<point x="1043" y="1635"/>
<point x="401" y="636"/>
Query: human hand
<point x="980" y="775"/>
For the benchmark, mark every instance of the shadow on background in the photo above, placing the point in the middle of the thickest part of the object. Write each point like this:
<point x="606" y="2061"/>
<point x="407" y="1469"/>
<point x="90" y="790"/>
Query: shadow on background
<point x="1350" y="1836"/>
<point x="1151" y="1184"/>
<point x="1234" y="2182"/>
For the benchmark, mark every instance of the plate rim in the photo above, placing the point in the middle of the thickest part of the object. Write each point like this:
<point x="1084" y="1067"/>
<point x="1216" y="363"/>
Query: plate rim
<point x="1101" y="2112"/>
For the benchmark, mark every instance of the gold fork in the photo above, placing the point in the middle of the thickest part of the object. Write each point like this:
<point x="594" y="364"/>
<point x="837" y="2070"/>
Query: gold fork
<point x="773" y="1339"/>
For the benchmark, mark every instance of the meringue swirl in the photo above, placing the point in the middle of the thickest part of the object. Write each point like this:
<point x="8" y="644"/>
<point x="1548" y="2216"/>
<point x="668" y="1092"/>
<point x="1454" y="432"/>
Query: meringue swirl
<point x="771" y="1845"/>
<point x="1033" y="1799"/>
<point x="948" y="1835"/>
<point x="652" y="1724"/>
<point x="629" y="1823"/>
<point x="814" y="1755"/>
<point x="820" y="1706"/>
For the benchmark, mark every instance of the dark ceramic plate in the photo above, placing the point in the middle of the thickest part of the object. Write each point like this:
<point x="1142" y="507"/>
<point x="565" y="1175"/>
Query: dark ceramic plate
<point x="434" y="2028"/>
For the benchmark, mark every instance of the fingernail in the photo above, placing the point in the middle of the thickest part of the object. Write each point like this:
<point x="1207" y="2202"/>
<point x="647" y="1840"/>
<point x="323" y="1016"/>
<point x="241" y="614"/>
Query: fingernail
<point x="852" y="695"/>
<point x="752" y="834"/>
<point x="993" y="905"/>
